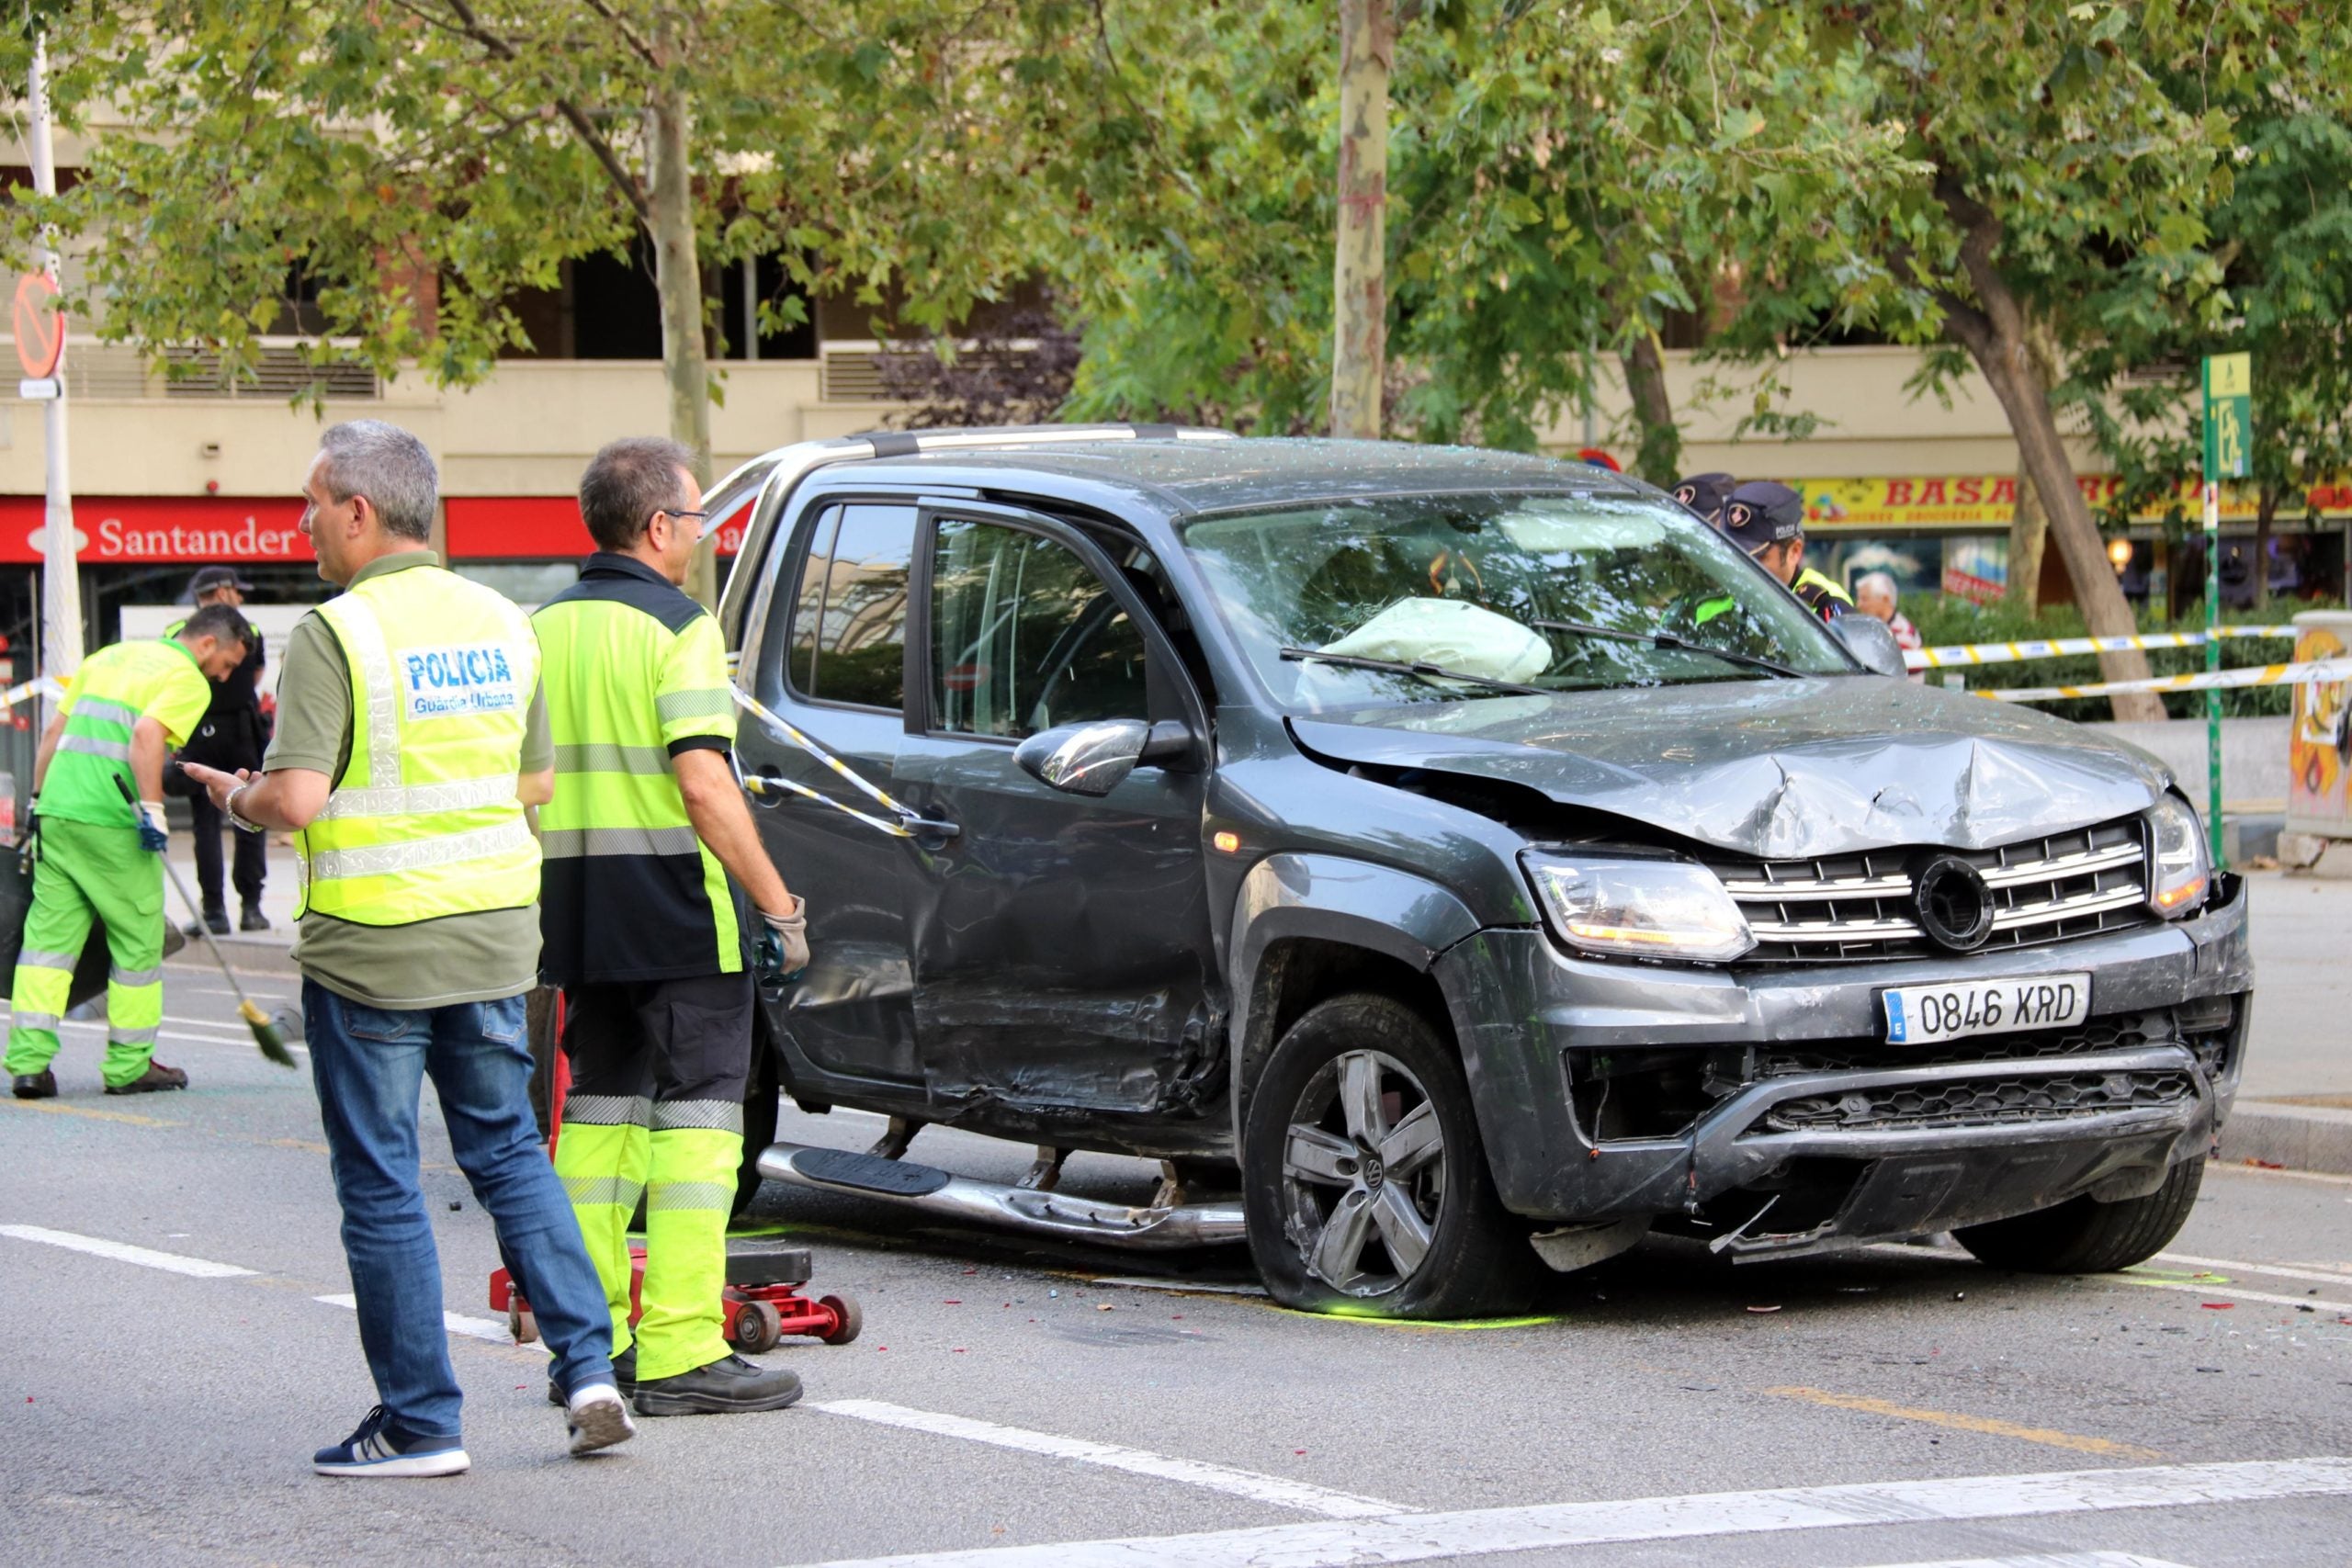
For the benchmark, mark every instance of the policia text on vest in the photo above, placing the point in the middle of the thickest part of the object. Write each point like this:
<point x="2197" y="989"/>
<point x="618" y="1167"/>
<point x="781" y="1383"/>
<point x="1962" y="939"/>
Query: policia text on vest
<point x="97" y="859"/>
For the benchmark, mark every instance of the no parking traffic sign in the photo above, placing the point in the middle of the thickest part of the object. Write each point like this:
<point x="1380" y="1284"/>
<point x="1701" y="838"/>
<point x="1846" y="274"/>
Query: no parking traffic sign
<point x="39" y="325"/>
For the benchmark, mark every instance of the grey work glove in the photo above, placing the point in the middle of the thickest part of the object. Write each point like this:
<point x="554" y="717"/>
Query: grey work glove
<point x="784" y="946"/>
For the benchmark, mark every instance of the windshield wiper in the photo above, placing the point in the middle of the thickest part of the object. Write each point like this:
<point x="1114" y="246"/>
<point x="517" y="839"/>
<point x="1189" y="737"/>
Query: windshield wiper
<point x="1427" y="672"/>
<point x="1668" y="639"/>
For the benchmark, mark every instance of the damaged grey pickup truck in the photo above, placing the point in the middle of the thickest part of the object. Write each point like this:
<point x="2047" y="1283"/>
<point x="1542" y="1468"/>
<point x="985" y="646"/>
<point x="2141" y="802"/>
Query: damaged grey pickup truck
<point x="1447" y="863"/>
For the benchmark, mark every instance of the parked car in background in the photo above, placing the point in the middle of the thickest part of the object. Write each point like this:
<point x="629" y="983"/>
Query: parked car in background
<point x="1448" y="863"/>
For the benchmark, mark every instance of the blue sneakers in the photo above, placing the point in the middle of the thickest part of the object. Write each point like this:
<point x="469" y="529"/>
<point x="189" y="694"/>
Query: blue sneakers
<point x="377" y="1449"/>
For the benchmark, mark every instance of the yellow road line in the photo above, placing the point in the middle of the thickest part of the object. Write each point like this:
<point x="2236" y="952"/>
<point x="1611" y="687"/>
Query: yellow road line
<point x="47" y="1108"/>
<point x="2048" y="1436"/>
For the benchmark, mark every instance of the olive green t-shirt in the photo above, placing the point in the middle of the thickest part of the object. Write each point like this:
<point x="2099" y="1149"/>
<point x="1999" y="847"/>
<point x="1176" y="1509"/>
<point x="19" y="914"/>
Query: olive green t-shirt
<point x="429" y="964"/>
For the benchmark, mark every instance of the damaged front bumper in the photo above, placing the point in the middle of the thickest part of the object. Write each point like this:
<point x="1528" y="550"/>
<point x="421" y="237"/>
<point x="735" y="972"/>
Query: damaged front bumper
<point x="1763" y="1107"/>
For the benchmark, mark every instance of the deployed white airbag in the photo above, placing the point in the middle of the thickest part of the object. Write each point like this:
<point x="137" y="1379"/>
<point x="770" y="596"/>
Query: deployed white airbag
<point x="1454" y="633"/>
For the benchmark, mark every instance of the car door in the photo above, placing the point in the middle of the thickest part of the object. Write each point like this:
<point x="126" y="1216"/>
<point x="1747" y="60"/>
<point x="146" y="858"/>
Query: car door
<point x="830" y="660"/>
<point x="1060" y="945"/>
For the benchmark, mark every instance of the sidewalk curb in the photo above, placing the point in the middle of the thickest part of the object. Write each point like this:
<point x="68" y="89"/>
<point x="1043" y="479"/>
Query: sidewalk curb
<point x="247" y="955"/>
<point x="2295" y="1137"/>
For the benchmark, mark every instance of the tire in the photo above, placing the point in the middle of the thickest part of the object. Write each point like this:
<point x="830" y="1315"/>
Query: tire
<point x="758" y="1328"/>
<point x="2084" y="1236"/>
<point x="847" y="1319"/>
<point x="1370" y="1197"/>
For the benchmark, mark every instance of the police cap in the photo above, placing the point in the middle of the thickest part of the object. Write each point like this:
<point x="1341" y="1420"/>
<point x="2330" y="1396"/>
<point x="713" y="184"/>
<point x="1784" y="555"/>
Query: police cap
<point x="1761" y="513"/>
<point x="1704" y="493"/>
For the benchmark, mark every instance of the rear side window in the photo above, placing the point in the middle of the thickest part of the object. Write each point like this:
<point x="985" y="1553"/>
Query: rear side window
<point x="849" y="616"/>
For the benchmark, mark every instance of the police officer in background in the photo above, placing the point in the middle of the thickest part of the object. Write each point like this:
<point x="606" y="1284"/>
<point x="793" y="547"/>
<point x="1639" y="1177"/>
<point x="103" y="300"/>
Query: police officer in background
<point x="650" y="850"/>
<point x="230" y="736"/>
<point x="1704" y="495"/>
<point x="1767" y="520"/>
<point x="410" y="741"/>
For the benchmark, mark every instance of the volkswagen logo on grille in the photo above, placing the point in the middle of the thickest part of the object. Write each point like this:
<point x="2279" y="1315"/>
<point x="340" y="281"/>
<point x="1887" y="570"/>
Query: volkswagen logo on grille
<point x="1955" y="906"/>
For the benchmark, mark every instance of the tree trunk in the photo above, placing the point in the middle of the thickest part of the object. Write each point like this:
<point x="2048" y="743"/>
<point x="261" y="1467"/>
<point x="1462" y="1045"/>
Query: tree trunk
<point x="2028" y="533"/>
<point x="1995" y="332"/>
<point x="2266" y="512"/>
<point x="677" y="278"/>
<point x="1358" y="284"/>
<point x="1659" y="459"/>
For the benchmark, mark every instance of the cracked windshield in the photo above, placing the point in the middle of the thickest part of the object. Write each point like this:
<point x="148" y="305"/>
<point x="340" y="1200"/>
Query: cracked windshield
<point x="1442" y="598"/>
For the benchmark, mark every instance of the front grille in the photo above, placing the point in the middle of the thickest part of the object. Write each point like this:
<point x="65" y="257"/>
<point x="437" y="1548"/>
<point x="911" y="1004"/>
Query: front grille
<point x="1838" y="909"/>
<point x="1968" y="1102"/>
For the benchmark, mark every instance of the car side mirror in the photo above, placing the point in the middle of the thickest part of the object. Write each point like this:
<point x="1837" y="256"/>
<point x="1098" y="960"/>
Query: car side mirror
<point x="1868" y="640"/>
<point x="1094" y="759"/>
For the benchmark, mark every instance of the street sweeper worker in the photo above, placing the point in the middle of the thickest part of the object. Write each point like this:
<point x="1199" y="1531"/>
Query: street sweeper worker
<point x="97" y="857"/>
<point x="660" y="905"/>
<point x="410" y="739"/>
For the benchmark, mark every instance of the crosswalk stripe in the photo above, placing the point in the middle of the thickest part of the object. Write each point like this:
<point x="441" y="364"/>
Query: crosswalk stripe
<point x="2047" y="1560"/>
<point x="1421" y="1537"/>
<point x="122" y="1252"/>
<point x="456" y="1323"/>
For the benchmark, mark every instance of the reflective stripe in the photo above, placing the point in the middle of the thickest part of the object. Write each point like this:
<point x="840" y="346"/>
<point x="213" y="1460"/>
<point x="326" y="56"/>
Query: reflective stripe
<point x="704" y="1195"/>
<point x="129" y="978"/>
<point x="709" y="702"/>
<point x="133" y="1037"/>
<point x="604" y="757"/>
<point x="420" y="800"/>
<point x="582" y="1190"/>
<point x="374" y="657"/>
<point x="35" y="1021"/>
<point x="32" y="959"/>
<point x="420" y="854"/>
<point x="713" y="1115"/>
<point x="576" y="843"/>
<point x="105" y="712"/>
<point x="605" y="1110"/>
<point x="117" y="751"/>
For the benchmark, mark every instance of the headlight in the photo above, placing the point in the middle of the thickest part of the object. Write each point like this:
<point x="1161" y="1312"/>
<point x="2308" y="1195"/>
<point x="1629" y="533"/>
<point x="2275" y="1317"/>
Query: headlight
<point x="2182" y="871"/>
<point x="1643" y="908"/>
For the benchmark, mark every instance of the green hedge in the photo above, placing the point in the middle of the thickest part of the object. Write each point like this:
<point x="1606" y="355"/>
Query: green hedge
<point x="1943" y="620"/>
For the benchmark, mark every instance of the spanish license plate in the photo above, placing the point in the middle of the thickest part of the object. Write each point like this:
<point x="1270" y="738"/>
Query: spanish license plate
<point x="1919" y="1015"/>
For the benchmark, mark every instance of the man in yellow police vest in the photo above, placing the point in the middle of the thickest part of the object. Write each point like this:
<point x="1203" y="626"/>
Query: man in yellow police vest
<point x="1767" y="520"/>
<point x="97" y="856"/>
<point x="648" y="934"/>
<point x="410" y="737"/>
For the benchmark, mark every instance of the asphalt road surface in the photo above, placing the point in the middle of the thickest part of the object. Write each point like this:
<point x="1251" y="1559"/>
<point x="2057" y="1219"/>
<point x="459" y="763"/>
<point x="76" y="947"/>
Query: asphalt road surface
<point x="169" y="1268"/>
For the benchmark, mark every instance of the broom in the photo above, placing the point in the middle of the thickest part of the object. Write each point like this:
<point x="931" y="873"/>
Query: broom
<point x="270" y="1039"/>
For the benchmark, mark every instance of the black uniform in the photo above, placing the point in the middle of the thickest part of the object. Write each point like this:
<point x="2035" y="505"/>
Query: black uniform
<point x="232" y="735"/>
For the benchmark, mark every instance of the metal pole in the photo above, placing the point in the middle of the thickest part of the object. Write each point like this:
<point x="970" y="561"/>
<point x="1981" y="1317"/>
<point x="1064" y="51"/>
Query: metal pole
<point x="60" y="598"/>
<point x="751" y="308"/>
<point x="2213" y="663"/>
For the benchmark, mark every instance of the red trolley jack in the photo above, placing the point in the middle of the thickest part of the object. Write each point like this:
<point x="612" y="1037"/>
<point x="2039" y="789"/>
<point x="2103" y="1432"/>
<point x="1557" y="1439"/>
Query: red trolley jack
<point x="762" y="1300"/>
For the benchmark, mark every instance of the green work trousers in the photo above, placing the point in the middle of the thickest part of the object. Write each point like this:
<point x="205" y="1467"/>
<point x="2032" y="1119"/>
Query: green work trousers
<point x="88" y="870"/>
<point x="656" y="1109"/>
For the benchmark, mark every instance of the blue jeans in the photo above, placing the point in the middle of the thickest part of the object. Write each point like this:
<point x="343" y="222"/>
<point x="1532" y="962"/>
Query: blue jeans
<point x="367" y="1064"/>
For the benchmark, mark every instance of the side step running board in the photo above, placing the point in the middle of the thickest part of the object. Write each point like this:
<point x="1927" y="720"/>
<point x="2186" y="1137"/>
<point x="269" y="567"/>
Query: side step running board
<point x="1001" y="1204"/>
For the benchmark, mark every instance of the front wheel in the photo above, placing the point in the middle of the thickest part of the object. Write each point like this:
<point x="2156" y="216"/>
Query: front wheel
<point x="1364" y="1177"/>
<point x="2084" y="1236"/>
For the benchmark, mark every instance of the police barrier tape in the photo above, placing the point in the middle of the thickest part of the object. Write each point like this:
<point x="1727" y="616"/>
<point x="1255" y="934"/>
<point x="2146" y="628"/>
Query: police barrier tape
<point x="43" y="687"/>
<point x="905" y="827"/>
<point x="2318" y="671"/>
<point x="2059" y="647"/>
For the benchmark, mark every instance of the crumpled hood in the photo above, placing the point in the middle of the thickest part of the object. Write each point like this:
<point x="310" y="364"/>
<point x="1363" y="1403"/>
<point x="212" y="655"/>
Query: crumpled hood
<point x="1776" y="769"/>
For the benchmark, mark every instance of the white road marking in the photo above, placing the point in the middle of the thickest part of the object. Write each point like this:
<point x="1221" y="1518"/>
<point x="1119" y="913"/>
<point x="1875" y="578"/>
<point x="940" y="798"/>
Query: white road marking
<point x="2229" y="1293"/>
<point x="1273" y="1489"/>
<point x="456" y="1323"/>
<point x="2231" y="1266"/>
<point x="1421" y="1537"/>
<point x="122" y="1252"/>
<point x="2042" y="1560"/>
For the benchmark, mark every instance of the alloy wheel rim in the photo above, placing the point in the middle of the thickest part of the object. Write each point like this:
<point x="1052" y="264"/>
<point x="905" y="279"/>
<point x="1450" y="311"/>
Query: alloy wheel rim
<point x="1363" y="1173"/>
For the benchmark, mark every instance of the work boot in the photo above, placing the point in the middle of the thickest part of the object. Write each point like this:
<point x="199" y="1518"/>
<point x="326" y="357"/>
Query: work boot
<point x="624" y="1377"/>
<point x="156" y="1076"/>
<point x="253" y="921"/>
<point x="216" y="920"/>
<point x="728" y="1384"/>
<point x="41" y="1085"/>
